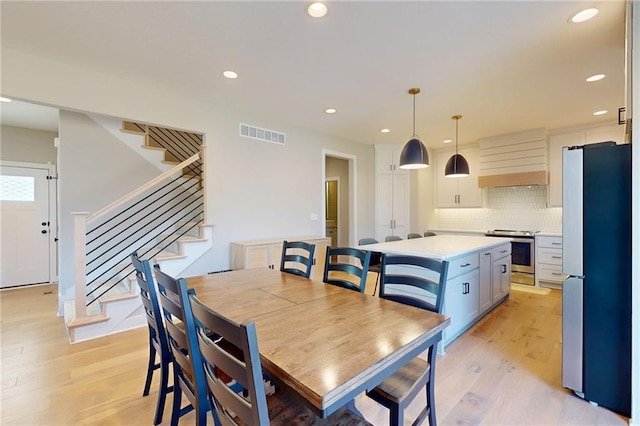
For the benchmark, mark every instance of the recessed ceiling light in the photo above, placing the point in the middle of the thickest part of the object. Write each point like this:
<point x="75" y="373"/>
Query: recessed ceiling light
<point x="4" y="99"/>
<point x="385" y="131"/>
<point x="230" y="74"/>
<point x="584" y="15"/>
<point x="595" y="77"/>
<point x="446" y="141"/>
<point x="330" y="110"/>
<point x="601" y="112"/>
<point x="317" y="9"/>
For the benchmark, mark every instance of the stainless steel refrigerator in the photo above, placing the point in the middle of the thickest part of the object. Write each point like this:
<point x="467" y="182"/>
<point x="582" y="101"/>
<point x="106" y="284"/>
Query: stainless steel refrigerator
<point x="596" y="254"/>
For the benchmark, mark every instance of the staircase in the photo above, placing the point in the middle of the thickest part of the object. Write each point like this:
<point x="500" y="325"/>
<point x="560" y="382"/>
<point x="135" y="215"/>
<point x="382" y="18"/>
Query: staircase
<point x="163" y="220"/>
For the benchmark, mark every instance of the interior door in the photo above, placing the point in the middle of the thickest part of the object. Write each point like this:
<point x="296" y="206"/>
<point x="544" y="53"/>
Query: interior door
<point x="25" y="226"/>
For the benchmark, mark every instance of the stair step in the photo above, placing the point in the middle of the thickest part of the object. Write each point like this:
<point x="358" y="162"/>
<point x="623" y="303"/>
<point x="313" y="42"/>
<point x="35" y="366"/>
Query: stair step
<point x="94" y="311"/>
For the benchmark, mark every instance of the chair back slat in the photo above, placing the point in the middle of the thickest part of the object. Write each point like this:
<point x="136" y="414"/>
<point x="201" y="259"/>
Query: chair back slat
<point x="252" y="408"/>
<point x="295" y="262"/>
<point x="350" y="273"/>
<point x="412" y="280"/>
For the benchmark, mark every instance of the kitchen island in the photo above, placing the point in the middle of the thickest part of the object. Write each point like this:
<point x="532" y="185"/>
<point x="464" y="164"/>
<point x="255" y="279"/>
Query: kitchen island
<point x="478" y="278"/>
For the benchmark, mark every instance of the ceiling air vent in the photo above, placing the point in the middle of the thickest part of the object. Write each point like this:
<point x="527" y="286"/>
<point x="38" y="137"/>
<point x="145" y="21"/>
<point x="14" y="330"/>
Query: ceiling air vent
<point x="261" y="134"/>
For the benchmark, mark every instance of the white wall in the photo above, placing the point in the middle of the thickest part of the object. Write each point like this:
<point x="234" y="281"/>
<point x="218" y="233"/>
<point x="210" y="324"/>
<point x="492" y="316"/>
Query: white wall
<point x="27" y="145"/>
<point x="254" y="189"/>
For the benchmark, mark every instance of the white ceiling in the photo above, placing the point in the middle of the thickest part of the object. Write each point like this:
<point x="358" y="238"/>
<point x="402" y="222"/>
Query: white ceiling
<point x="505" y="66"/>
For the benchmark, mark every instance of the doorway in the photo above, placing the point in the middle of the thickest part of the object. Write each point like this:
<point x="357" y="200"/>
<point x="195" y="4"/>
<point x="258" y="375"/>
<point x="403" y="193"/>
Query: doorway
<point x="339" y="197"/>
<point x="332" y="208"/>
<point x="25" y="210"/>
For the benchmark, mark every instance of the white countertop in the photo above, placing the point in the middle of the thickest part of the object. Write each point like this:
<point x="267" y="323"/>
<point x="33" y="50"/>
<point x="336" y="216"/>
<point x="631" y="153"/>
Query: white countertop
<point x="459" y="231"/>
<point x="440" y="247"/>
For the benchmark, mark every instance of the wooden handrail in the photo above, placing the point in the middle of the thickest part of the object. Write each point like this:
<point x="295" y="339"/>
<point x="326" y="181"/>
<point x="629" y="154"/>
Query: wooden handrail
<point x="142" y="188"/>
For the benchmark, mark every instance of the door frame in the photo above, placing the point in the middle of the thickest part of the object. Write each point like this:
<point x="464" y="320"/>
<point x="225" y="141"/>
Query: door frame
<point x="352" y="164"/>
<point x="52" y="206"/>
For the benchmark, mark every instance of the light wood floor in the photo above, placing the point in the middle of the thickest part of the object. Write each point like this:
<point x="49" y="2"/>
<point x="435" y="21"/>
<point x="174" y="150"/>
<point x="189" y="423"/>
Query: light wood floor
<point x="504" y="371"/>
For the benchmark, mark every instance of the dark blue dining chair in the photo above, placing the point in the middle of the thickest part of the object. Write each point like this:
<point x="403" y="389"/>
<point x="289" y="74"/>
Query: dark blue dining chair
<point x="297" y="258"/>
<point x="157" y="334"/>
<point x="347" y="267"/>
<point x="400" y="278"/>
<point x="234" y="358"/>
<point x="188" y="375"/>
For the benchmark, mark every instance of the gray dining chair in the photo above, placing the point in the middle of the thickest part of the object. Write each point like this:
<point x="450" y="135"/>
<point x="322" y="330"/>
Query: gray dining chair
<point x="429" y="234"/>
<point x="374" y="261"/>
<point x="390" y="238"/>
<point x="400" y="277"/>
<point x="413" y="235"/>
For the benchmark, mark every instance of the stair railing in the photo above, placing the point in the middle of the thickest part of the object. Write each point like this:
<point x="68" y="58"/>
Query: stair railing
<point x="149" y="219"/>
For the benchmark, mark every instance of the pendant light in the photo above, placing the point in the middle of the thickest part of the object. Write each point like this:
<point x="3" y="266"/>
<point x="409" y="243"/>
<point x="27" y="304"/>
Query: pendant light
<point x="457" y="165"/>
<point x="414" y="154"/>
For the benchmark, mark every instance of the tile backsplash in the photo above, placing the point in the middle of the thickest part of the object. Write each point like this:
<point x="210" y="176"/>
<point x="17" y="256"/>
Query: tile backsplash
<point x="522" y="207"/>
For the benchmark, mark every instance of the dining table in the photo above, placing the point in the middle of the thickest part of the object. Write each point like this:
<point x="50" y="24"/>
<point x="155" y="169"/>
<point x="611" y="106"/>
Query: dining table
<point x="326" y="343"/>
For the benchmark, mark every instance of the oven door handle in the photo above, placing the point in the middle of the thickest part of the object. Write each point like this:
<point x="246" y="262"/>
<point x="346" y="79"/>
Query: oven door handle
<point x="522" y="240"/>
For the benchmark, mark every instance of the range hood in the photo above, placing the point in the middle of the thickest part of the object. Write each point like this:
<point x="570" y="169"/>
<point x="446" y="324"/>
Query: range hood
<point x="516" y="159"/>
<point x="514" y="179"/>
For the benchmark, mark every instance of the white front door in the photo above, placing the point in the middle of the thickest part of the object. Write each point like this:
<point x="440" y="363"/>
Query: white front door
<point x="25" y="227"/>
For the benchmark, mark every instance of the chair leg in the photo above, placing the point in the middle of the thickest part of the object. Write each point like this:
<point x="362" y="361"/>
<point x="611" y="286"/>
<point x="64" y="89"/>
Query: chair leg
<point x="396" y="416"/>
<point x="375" y="289"/>
<point x="201" y="413"/>
<point x="177" y="400"/>
<point x="150" y="368"/>
<point x="164" y="390"/>
<point x="431" y="406"/>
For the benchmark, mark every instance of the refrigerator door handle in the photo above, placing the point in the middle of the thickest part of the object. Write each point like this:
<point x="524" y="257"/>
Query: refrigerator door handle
<point x="572" y="210"/>
<point x="572" y="333"/>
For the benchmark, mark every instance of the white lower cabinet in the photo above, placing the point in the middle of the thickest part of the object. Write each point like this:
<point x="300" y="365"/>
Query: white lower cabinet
<point x="549" y="261"/>
<point x="501" y="272"/>
<point x="461" y="302"/>
<point x="485" y="301"/>
<point x="267" y="253"/>
<point x="476" y="284"/>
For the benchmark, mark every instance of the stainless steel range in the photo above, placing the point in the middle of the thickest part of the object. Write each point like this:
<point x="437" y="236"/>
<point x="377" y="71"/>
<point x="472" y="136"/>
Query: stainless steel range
<point x="522" y="254"/>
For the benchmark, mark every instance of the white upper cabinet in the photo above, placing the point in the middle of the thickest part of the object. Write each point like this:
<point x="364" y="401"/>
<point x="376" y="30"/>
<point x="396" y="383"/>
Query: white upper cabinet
<point x="392" y="193"/>
<point x="612" y="132"/>
<point x="457" y="192"/>
<point x="388" y="159"/>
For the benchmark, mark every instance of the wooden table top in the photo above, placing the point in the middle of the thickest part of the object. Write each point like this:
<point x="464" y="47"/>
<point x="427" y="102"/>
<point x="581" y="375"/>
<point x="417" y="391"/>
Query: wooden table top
<point x="325" y="342"/>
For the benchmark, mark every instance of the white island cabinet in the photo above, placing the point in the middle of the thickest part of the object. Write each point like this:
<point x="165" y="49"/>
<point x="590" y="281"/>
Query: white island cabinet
<point x="471" y="291"/>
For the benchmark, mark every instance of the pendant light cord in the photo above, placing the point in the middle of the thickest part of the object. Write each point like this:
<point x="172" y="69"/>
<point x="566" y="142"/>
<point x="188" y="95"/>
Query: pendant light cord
<point x="414" y="115"/>
<point x="457" y="119"/>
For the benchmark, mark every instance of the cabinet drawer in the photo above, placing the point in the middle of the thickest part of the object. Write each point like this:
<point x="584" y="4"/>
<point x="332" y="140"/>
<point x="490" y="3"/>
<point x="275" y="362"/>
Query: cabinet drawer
<point x="501" y="251"/>
<point x="549" y="242"/>
<point x="462" y="265"/>
<point x="551" y="273"/>
<point x="550" y="256"/>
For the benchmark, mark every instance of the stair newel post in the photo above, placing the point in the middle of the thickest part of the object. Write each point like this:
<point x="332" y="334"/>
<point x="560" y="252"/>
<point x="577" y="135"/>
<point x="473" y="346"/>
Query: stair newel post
<point x="80" y="262"/>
